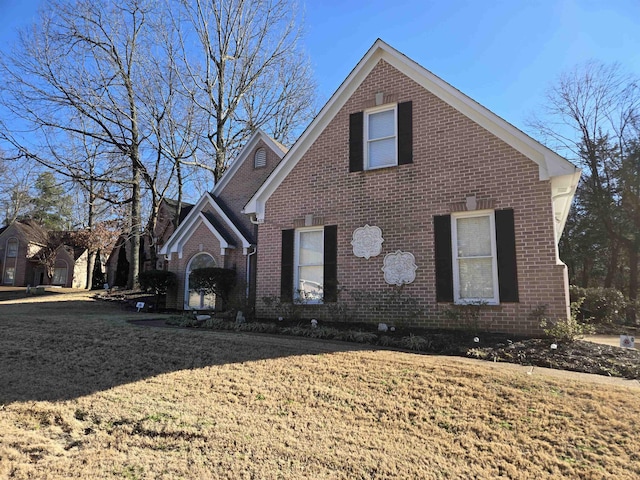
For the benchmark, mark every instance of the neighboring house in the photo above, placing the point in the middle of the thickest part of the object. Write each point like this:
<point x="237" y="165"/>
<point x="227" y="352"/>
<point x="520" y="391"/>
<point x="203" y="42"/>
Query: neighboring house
<point x="117" y="263"/>
<point x="402" y="181"/>
<point x="20" y="245"/>
<point x="215" y="233"/>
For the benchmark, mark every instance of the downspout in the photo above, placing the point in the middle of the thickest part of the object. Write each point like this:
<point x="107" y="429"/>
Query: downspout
<point x="255" y="249"/>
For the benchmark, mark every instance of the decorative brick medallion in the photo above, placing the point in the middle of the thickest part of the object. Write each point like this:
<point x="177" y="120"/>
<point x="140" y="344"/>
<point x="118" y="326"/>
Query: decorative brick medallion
<point x="367" y="242"/>
<point x="399" y="268"/>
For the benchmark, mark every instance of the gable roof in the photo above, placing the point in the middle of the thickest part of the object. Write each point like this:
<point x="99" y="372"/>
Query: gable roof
<point x="172" y="206"/>
<point x="258" y="135"/>
<point x="563" y="174"/>
<point x="224" y="230"/>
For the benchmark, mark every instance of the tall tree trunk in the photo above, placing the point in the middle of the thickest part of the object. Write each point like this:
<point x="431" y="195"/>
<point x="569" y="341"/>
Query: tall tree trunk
<point x="91" y="256"/>
<point x="176" y="220"/>
<point x="134" y="234"/>
<point x="612" y="266"/>
<point x="633" y="279"/>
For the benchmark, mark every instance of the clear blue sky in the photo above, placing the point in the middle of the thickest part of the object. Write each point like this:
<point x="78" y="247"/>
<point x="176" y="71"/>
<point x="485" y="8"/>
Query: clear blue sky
<point x="502" y="53"/>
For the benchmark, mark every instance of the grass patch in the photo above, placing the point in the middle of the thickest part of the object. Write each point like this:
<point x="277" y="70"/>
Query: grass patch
<point x="87" y="395"/>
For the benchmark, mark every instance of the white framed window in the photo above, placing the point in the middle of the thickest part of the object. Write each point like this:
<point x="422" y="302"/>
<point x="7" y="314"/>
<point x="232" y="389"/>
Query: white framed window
<point x="309" y="264"/>
<point x="9" y="275"/>
<point x="195" y="298"/>
<point x="380" y="137"/>
<point x="12" y="248"/>
<point x="260" y="158"/>
<point x="475" y="270"/>
<point x="59" y="276"/>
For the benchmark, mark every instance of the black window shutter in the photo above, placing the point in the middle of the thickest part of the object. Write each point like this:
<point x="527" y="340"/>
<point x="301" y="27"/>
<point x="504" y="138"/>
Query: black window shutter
<point x="286" y="274"/>
<point x="356" y="142"/>
<point x="506" y="246"/>
<point x="444" y="266"/>
<point x="405" y="133"/>
<point x="330" y="263"/>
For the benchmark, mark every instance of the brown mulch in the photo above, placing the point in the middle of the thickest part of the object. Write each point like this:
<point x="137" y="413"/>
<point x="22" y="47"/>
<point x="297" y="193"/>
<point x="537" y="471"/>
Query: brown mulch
<point x="578" y="356"/>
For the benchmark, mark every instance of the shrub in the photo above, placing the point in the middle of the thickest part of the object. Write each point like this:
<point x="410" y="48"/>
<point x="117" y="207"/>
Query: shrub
<point x="416" y="343"/>
<point x="157" y="281"/>
<point x="287" y="310"/>
<point x="567" y="330"/>
<point x="600" y="305"/>
<point x="218" y="281"/>
<point x="393" y="305"/>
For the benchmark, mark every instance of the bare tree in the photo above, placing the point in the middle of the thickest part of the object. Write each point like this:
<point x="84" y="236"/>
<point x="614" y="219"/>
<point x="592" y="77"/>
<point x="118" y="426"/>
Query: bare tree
<point x="14" y="195"/>
<point x="80" y="73"/>
<point x="593" y="114"/>
<point x="248" y="72"/>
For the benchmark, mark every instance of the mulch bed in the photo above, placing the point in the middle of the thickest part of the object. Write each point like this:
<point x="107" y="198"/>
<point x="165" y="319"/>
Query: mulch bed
<point x="577" y="356"/>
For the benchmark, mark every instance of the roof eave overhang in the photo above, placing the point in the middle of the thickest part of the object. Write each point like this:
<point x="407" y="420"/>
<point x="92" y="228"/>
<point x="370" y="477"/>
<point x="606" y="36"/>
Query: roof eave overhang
<point x="194" y="219"/>
<point x="243" y="156"/>
<point x="550" y="164"/>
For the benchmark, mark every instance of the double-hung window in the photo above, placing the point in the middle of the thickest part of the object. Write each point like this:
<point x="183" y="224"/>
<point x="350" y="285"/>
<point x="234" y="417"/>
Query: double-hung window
<point x="12" y="248"/>
<point x="475" y="257"/>
<point x="381" y="145"/>
<point x="381" y="137"/>
<point x="475" y="271"/>
<point x="309" y="264"/>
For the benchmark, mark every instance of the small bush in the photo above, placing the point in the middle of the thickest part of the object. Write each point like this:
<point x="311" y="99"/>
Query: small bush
<point x="567" y="330"/>
<point x="416" y="343"/>
<point x="466" y="316"/>
<point x="218" y="281"/>
<point x="157" y="281"/>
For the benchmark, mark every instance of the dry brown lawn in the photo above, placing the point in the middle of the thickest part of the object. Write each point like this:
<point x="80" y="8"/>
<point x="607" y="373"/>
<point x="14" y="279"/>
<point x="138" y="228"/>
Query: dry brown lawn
<point x="83" y="394"/>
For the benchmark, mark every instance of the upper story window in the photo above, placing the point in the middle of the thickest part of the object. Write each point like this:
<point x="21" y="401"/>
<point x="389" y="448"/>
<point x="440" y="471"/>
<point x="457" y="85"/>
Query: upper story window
<point x="260" y="158"/>
<point x="12" y="248"/>
<point x="381" y="137"/>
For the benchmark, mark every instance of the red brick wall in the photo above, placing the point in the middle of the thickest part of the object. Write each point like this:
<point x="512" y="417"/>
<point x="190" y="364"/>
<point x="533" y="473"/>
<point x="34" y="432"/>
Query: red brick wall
<point x="453" y="158"/>
<point x="246" y="181"/>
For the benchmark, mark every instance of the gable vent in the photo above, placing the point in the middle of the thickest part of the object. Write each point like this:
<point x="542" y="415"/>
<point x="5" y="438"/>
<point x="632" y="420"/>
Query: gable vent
<point x="260" y="158"/>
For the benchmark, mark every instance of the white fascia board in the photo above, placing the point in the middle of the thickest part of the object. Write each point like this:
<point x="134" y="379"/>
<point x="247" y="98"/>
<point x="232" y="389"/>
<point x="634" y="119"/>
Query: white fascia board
<point x="172" y="244"/>
<point x="184" y="231"/>
<point x="245" y="243"/>
<point x="223" y="243"/>
<point x="186" y="234"/>
<point x="244" y="155"/>
<point x="256" y="204"/>
<point x="549" y="163"/>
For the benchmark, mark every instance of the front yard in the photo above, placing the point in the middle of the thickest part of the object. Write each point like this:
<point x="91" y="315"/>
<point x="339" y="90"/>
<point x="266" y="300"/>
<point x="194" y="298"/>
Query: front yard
<point x="85" y="394"/>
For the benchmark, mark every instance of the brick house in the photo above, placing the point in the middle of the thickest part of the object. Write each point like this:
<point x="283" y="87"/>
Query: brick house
<point x="20" y="244"/>
<point x="403" y="183"/>
<point x="214" y="232"/>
